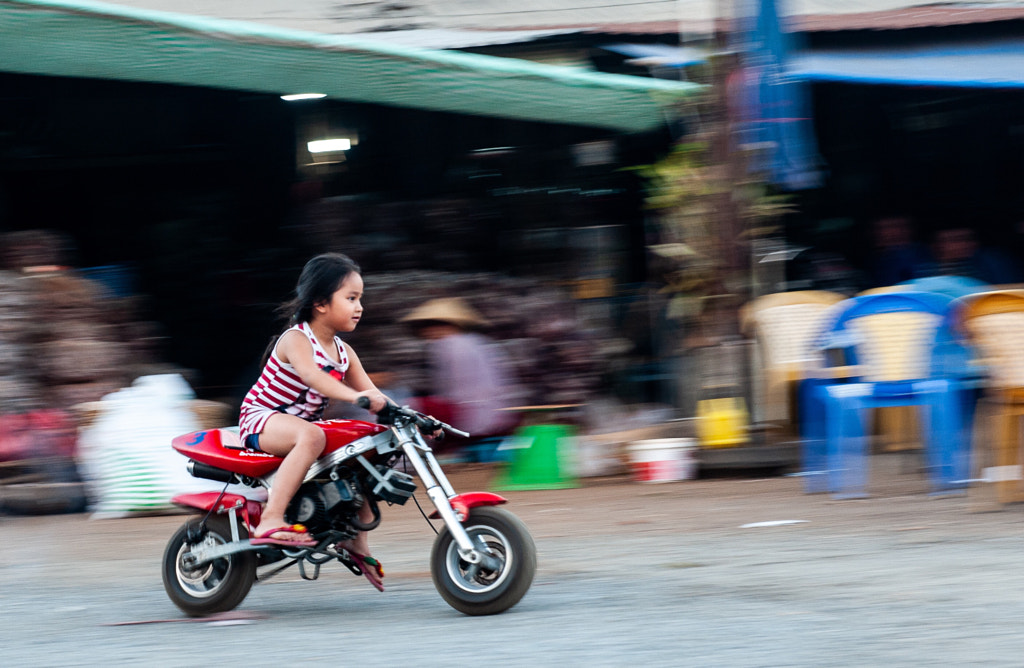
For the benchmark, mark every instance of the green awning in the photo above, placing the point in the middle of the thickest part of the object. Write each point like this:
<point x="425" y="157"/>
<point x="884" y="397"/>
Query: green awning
<point x="109" y="41"/>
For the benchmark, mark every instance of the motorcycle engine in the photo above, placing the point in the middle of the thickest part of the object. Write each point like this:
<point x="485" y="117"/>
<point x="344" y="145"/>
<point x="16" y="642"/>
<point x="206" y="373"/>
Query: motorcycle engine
<point x="317" y="503"/>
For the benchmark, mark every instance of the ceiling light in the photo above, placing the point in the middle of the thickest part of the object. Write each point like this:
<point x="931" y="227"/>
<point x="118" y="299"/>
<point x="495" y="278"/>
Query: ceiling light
<point x="303" y="96"/>
<point x="329" y="145"/>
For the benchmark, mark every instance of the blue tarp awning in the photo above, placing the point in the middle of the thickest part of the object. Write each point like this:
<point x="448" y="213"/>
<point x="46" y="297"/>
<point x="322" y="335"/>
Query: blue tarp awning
<point x="660" y="54"/>
<point x="988" y="64"/>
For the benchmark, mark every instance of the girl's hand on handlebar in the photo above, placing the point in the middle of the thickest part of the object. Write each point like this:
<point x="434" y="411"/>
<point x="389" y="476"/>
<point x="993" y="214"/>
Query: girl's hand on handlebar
<point x="434" y="430"/>
<point x="372" y="400"/>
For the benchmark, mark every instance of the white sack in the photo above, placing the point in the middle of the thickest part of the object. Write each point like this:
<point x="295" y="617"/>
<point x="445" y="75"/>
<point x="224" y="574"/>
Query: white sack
<point x="126" y="455"/>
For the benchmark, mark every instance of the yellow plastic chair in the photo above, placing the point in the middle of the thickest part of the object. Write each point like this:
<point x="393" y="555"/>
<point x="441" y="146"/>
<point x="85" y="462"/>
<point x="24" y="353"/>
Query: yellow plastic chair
<point x="881" y="290"/>
<point x="896" y="426"/>
<point x="994" y="323"/>
<point x="785" y="325"/>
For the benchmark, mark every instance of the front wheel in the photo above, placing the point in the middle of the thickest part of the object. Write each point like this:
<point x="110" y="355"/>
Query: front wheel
<point x="214" y="587"/>
<point x="473" y="590"/>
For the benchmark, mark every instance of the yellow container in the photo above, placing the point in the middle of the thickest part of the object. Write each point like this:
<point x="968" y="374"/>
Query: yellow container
<point x="722" y="423"/>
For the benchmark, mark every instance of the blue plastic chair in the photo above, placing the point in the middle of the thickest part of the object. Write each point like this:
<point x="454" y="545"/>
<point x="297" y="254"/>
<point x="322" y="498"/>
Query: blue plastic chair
<point x="881" y="348"/>
<point x="951" y="286"/>
<point x="954" y="356"/>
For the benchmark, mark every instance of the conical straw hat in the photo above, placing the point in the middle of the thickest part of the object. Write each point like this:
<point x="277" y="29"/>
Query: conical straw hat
<point x="452" y="310"/>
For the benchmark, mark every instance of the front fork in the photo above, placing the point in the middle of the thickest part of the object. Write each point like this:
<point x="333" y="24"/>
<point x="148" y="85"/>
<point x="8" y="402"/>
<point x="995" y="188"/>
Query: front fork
<point x="440" y="490"/>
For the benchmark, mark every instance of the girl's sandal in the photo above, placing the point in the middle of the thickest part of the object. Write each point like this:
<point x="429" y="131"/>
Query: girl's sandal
<point x="298" y="538"/>
<point x="370" y="568"/>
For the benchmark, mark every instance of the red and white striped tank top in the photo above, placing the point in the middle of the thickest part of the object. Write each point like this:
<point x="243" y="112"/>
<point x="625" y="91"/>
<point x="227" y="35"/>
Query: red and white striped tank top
<point x="281" y="390"/>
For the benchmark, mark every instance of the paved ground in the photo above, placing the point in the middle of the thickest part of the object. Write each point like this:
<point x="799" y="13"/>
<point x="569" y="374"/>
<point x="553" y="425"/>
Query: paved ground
<point x="664" y="575"/>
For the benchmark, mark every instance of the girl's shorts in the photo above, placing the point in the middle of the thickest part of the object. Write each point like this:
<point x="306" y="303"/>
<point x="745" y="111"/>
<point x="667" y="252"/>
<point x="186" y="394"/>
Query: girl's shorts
<point x="252" y="442"/>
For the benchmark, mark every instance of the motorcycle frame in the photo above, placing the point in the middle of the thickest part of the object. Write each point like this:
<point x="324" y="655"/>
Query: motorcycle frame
<point x="441" y="493"/>
<point x="450" y="507"/>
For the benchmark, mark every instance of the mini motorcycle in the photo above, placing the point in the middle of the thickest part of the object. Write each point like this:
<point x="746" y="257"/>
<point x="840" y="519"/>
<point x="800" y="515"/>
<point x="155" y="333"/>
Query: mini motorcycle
<point x="482" y="561"/>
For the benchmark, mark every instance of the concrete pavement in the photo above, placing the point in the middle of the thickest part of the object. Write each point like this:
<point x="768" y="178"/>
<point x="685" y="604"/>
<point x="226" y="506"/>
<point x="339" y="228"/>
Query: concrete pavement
<point x="666" y="575"/>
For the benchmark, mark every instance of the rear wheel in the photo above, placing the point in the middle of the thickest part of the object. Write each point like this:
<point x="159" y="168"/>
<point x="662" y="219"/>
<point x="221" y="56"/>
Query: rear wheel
<point x="214" y="587"/>
<point x="473" y="590"/>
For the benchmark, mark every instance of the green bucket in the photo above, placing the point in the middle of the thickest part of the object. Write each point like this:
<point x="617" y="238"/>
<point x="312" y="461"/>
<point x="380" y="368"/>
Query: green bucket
<point x="540" y="459"/>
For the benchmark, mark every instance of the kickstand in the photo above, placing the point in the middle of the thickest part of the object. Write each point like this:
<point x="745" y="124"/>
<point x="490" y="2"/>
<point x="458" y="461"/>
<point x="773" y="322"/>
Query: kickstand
<point x="302" y="571"/>
<point x="267" y="576"/>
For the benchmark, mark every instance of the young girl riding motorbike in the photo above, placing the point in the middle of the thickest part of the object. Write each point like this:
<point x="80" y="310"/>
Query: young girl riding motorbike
<point x="306" y="366"/>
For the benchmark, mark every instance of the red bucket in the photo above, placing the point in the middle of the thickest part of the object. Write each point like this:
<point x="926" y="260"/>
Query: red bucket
<point x="663" y="459"/>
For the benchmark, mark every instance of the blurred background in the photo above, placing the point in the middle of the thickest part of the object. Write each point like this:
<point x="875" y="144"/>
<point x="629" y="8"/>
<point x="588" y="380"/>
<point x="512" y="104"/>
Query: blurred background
<point x="608" y="184"/>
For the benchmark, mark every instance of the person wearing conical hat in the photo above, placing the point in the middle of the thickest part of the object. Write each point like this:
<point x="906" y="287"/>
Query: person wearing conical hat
<point x="468" y="383"/>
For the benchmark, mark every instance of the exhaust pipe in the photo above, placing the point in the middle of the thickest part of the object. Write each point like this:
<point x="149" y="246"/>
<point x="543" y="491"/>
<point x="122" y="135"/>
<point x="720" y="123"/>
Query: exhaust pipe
<point x="200" y="470"/>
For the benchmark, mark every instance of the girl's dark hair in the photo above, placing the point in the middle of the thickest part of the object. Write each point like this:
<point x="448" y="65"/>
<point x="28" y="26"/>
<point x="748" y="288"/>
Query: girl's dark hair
<point x="320" y="278"/>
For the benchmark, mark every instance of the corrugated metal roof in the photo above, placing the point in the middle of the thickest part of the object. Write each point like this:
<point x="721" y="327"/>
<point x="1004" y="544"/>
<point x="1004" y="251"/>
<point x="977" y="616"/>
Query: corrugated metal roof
<point x="893" y="19"/>
<point x="902" y="19"/>
<point x="598" y="16"/>
<point x="332" y="16"/>
<point x="463" y="39"/>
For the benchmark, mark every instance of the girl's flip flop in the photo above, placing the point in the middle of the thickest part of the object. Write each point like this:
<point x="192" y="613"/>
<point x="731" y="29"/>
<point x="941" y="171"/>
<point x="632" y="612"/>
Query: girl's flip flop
<point x="296" y="530"/>
<point x="370" y="567"/>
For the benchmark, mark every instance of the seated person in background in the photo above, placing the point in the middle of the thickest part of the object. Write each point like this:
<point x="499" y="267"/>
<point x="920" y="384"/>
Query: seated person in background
<point x="468" y="381"/>
<point x="898" y="258"/>
<point x="958" y="253"/>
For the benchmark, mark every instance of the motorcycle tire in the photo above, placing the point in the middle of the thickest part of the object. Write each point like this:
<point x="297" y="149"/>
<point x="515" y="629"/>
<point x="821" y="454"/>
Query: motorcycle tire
<point x="215" y="587"/>
<point x="471" y="590"/>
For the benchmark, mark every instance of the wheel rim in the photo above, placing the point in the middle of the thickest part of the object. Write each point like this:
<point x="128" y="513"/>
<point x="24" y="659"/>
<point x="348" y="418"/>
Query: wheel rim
<point x="471" y="577"/>
<point x="206" y="580"/>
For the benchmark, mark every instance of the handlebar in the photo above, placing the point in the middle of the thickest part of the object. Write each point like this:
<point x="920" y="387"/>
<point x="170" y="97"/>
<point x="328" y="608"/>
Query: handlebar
<point x="425" y="424"/>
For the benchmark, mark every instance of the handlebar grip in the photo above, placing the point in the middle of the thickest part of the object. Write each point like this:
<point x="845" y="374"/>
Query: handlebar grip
<point x="363" y="402"/>
<point x="425" y="424"/>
